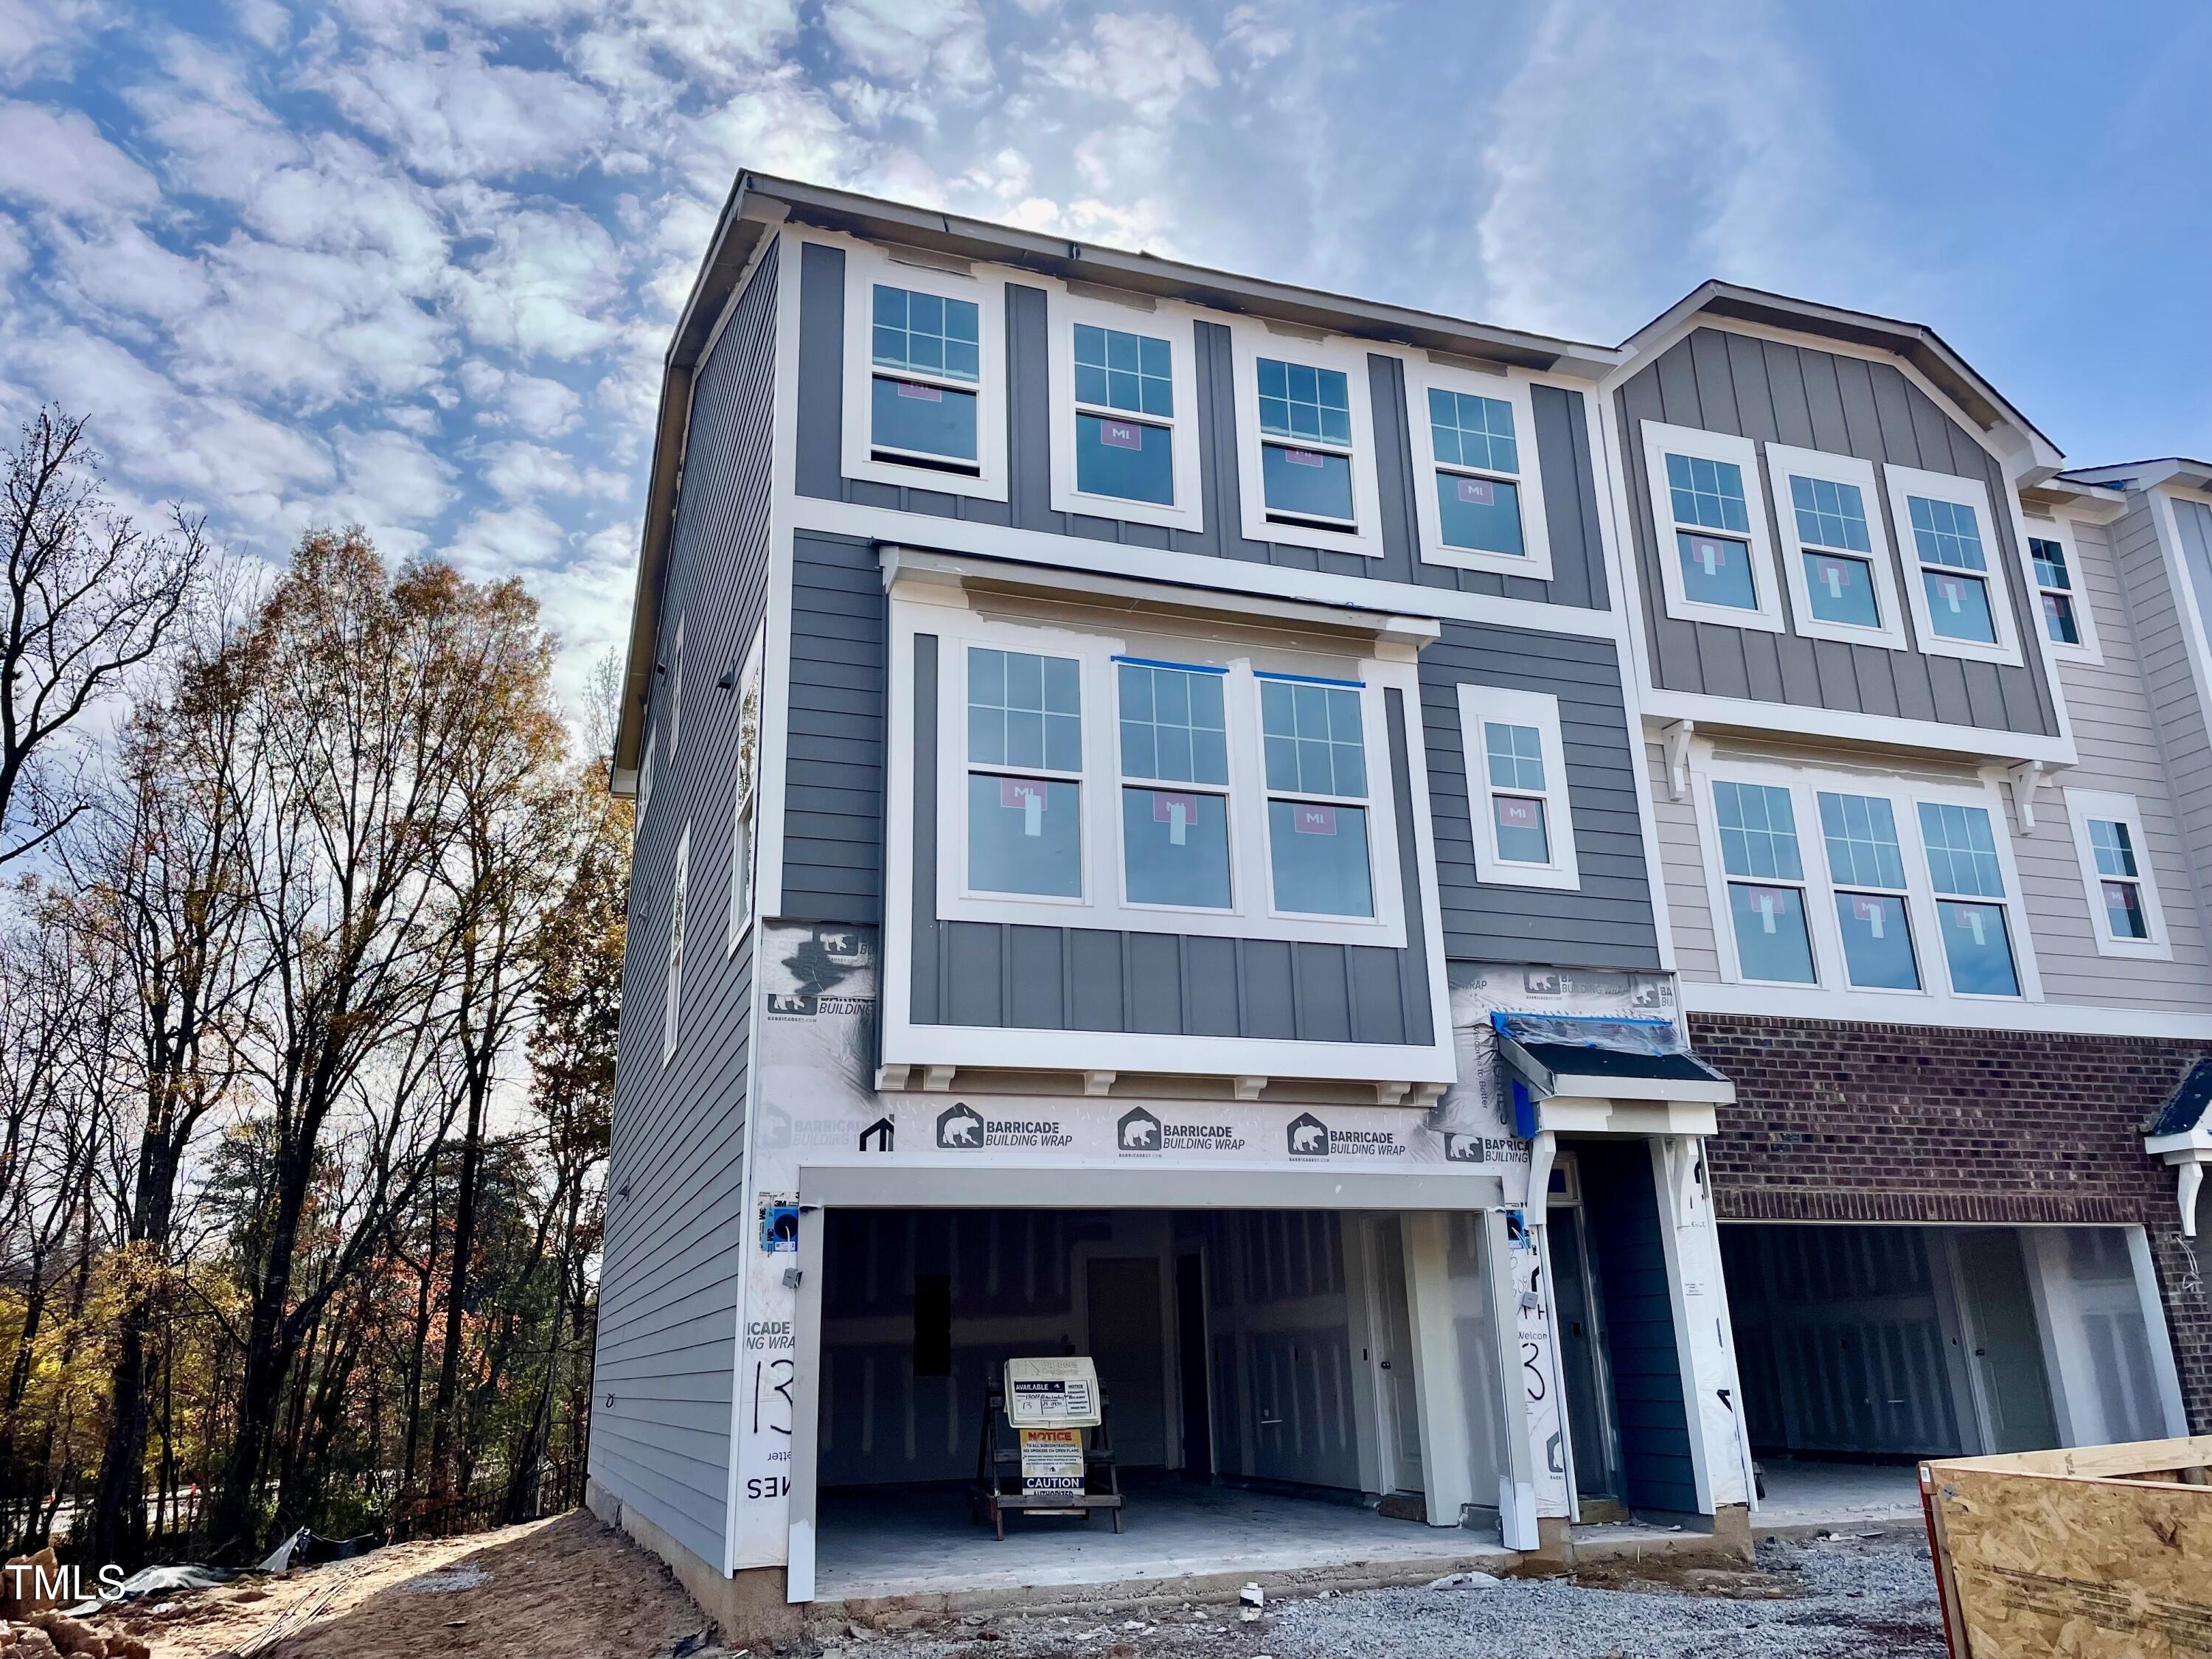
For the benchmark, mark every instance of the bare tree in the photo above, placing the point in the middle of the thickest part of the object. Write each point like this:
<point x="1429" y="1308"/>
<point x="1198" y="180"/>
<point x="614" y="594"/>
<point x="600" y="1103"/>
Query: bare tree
<point x="88" y="597"/>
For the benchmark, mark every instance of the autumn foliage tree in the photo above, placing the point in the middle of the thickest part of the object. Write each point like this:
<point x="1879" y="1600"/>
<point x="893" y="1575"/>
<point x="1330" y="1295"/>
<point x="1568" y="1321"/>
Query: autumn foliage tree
<point x="306" y="1048"/>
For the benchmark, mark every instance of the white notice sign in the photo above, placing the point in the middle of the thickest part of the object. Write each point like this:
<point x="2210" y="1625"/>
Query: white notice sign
<point x="1052" y="1462"/>
<point x="1052" y="1393"/>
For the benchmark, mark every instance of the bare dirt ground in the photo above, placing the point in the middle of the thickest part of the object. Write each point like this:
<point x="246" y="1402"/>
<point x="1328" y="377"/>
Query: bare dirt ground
<point x="563" y="1588"/>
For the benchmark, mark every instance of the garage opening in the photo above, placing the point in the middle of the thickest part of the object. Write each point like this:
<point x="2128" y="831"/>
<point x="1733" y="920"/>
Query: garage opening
<point x="1261" y="1385"/>
<point x="1864" y="1348"/>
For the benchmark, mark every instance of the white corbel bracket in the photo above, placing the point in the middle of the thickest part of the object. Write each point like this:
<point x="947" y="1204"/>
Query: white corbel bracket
<point x="2024" y="781"/>
<point x="2188" y="1166"/>
<point x="1678" y="737"/>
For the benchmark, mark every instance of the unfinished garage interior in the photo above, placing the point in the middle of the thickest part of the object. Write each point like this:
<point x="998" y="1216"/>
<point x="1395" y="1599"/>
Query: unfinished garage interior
<point x="1892" y="1343"/>
<point x="1268" y="1354"/>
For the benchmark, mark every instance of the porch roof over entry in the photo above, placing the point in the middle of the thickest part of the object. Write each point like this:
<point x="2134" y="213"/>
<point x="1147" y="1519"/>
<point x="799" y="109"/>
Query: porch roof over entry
<point x="1581" y="1074"/>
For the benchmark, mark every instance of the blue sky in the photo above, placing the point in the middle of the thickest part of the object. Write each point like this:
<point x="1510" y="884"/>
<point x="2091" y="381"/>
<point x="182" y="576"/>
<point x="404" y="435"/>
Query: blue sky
<point x="414" y="264"/>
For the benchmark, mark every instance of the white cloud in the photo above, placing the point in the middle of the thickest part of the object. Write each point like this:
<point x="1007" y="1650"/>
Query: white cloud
<point x="940" y="42"/>
<point x="547" y="284"/>
<point x="519" y="472"/>
<point x="455" y="114"/>
<point x="502" y="541"/>
<point x="57" y="159"/>
<point x="40" y="37"/>
<point x="1635" y="148"/>
<point x="1148" y="62"/>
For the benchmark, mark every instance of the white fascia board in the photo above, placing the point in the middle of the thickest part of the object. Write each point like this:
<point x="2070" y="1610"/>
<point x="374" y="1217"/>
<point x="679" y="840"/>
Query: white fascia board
<point x="1815" y="1005"/>
<point x="1003" y="1048"/>
<point x="1712" y="714"/>
<point x="1603" y="1114"/>
<point x="2198" y="1140"/>
<point x="1192" y="570"/>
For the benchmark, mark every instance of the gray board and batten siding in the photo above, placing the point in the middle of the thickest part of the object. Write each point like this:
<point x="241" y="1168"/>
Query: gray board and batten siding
<point x="1028" y="976"/>
<point x="1562" y="441"/>
<point x="1717" y="380"/>
<point x="675" y="1226"/>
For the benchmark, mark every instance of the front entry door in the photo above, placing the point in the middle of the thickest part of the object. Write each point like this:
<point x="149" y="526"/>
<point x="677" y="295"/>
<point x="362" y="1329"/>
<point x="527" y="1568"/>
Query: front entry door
<point x="1392" y="1325"/>
<point x="1582" y="1356"/>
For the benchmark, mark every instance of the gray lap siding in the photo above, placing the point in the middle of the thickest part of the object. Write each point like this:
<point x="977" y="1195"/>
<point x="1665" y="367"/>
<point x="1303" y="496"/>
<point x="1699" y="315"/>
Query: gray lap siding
<point x="674" y="1234"/>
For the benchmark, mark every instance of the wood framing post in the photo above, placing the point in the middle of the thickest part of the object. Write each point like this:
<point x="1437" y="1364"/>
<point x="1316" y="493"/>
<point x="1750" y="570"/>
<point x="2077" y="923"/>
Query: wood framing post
<point x="1437" y="1383"/>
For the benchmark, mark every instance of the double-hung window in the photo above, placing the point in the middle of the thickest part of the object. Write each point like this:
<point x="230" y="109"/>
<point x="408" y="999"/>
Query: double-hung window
<point x="1174" y="744"/>
<point x="1866" y="868"/>
<point x="745" y="813"/>
<point x="1124" y="410"/>
<point x="1709" y="515"/>
<point x="1315" y="752"/>
<point x="671" y="996"/>
<point x="1480" y="499"/>
<point x="2125" y="911"/>
<point x="1954" y="569"/>
<point x="1025" y="783"/>
<point x="1766" y="882"/>
<point x="1968" y="882"/>
<point x="1305" y="462"/>
<point x="924" y="395"/>
<point x="2067" y="622"/>
<point x="1516" y="779"/>
<point x="1835" y="553"/>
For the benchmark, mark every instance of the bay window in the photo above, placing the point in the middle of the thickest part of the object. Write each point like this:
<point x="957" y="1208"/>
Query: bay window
<point x="1710" y="514"/>
<point x="1165" y="784"/>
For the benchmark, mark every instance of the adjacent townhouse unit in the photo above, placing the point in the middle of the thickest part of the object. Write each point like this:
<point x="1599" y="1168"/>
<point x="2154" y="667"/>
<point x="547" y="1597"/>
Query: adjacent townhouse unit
<point x="1493" y="928"/>
<point x="1924" y="717"/>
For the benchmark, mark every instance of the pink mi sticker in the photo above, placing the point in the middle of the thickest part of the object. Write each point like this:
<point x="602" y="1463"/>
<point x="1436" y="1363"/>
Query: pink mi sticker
<point x="1833" y="575"/>
<point x="1178" y="812"/>
<point x="1121" y="434"/>
<point x="1477" y="492"/>
<point x="920" y="394"/>
<point x="1516" y="814"/>
<point x="1871" y="912"/>
<point x="1314" y="820"/>
<point x="1952" y="591"/>
<point x="1304" y="458"/>
<point x="1708" y="554"/>
<point x="1768" y="906"/>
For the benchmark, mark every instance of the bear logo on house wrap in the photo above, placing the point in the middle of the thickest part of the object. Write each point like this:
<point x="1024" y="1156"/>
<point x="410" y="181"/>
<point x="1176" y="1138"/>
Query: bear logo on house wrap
<point x="1137" y="1132"/>
<point x="960" y="1128"/>
<point x="1308" y="1136"/>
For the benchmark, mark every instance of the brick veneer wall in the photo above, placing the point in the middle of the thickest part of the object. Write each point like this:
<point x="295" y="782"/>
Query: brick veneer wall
<point x="1846" y="1120"/>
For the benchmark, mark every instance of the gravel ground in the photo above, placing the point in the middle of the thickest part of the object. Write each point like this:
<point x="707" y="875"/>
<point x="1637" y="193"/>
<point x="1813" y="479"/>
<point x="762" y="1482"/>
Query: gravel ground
<point x="1823" y="1599"/>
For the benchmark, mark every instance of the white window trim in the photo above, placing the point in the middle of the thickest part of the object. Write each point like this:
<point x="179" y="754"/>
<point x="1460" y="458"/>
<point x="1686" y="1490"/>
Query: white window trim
<point x="1904" y="481"/>
<point x="2085" y="613"/>
<point x="2083" y="804"/>
<point x="1423" y="373"/>
<point x="675" y="689"/>
<point x="1175" y="324"/>
<point x="1784" y="463"/>
<point x="645" y="773"/>
<point x="1478" y="703"/>
<point x="1253" y="913"/>
<point x="1833" y="988"/>
<point x="745" y="811"/>
<point x="1659" y="441"/>
<point x="672" y="1003"/>
<point x="866" y="266"/>
<point x="1248" y="342"/>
